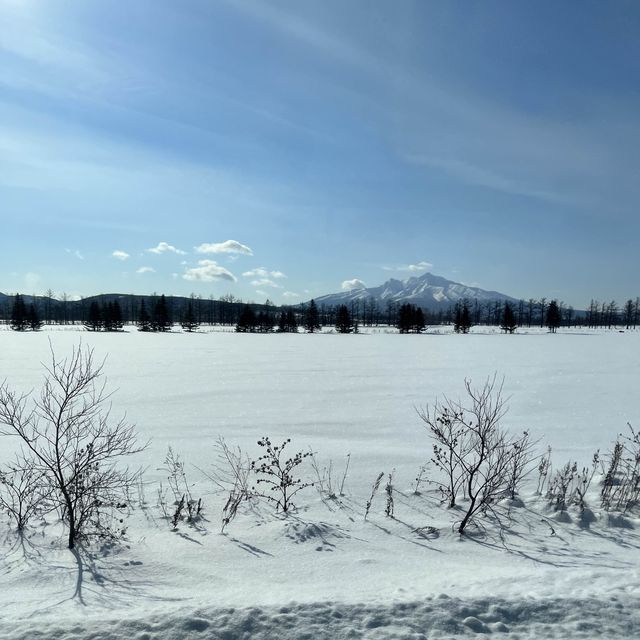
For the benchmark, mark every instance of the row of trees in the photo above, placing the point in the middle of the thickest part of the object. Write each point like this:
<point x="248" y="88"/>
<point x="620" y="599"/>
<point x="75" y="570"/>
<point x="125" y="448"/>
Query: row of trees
<point x="24" y="317"/>
<point x="110" y="313"/>
<point x="265" y="322"/>
<point x="508" y="323"/>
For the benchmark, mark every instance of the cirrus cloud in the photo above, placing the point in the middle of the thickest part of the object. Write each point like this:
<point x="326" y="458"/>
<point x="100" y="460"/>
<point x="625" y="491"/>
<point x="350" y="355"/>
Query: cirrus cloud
<point x="228" y="246"/>
<point x="208" y="271"/>
<point x="146" y="270"/>
<point x="355" y="283"/>
<point x="120" y="255"/>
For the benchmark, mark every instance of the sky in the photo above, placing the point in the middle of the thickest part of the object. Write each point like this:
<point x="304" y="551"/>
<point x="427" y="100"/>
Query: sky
<point x="285" y="150"/>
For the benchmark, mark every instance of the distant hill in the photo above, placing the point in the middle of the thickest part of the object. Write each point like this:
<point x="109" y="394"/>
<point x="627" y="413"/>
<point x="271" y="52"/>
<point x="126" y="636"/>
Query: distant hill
<point x="428" y="291"/>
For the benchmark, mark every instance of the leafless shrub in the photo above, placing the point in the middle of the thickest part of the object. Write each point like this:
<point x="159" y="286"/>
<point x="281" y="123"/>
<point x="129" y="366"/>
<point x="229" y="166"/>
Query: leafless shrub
<point x="621" y="485"/>
<point x="186" y="507"/>
<point x="68" y="434"/>
<point x="569" y="486"/>
<point x="476" y="456"/>
<point x="22" y="491"/>
<point x="374" y="490"/>
<point x="420" y="479"/>
<point x="544" y="468"/>
<point x="326" y="483"/>
<point x="276" y="474"/>
<point x="230" y="474"/>
<point x="388" y="489"/>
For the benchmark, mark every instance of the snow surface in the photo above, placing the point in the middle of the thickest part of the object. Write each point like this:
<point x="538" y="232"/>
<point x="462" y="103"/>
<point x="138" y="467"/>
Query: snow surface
<point x="324" y="571"/>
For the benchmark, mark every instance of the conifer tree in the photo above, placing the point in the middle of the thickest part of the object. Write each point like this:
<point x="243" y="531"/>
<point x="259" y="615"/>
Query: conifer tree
<point x="161" y="320"/>
<point x="344" y="324"/>
<point x="189" y="322"/>
<point x="19" y="320"/>
<point x="312" y="318"/>
<point x="554" y="317"/>
<point x="247" y="320"/>
<point x="144" y="319"/>
<point x="291" y="322"/>
<point x="94" y="320"/>
<point x="508" y="319"/>
<point x="33" y="318"/>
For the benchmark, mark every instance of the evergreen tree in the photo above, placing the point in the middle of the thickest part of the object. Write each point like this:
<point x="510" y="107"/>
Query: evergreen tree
<point x="291" y="322"/>
<point x="462" y="322"/>
<point x="419" y="323"/>
<point x="33" y="318"/>
<point x="94" y="320"/>
<point x="554" y="317"/>
<point x="116" y="316"/>
<point x="344" y="324"/>
<point x="405" y="318"/>
<point x="144" y="319"/>
<point x="282" y="322"/>
<point x="508" y="319"/>
<point x="247" y="320"/>
<point x="189" y="322"/>
<point x="312" y="318"/>
<point x="19" y="320"/>
<point x="265" y="322"/>
<point x="161" y="320"/>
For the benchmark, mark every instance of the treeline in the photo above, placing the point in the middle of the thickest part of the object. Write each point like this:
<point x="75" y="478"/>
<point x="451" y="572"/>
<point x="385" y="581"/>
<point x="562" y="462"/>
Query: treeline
<point x="110" y="312"/>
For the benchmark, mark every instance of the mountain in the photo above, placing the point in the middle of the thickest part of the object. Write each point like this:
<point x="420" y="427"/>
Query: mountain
<point x="427" y="291"/>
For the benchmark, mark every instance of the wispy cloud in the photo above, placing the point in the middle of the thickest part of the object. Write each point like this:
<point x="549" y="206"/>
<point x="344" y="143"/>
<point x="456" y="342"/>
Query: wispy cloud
<point x="118" y="254"/>
<point x="265" y="282"/>
<point x="290" y="294"/>
<point x="354" y="283"/>
<point x="76" y="253"/>
<point x="228" y="246"/>
<point x="146" y="270"/>
<point x="261" y="272"/>
<point x="208" y="271"/>
<point x="165" y="247"/>
<point x="423" y="265"/>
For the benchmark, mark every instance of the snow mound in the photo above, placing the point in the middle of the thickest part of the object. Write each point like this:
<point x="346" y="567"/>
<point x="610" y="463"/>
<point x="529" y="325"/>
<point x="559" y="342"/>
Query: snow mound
<point x="439" y="617"/>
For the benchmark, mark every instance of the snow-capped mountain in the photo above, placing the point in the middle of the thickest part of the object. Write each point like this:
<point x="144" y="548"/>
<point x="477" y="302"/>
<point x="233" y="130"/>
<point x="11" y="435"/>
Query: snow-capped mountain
<point x="427" y="291"/>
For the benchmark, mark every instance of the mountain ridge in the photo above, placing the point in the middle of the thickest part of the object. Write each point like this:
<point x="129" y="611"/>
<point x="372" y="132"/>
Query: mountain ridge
<point x="428" y="291"/>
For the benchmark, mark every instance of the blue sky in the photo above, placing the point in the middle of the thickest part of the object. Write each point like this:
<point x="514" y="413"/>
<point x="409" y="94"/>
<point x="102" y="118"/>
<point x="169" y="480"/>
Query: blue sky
<point x="281" y="149"/>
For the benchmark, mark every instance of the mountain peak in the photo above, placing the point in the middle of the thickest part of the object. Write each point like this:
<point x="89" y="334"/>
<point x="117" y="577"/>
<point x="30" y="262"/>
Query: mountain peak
<point x="428" y="291"/>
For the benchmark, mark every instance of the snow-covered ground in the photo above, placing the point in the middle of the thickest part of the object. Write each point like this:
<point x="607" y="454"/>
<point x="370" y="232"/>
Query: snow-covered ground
<point x="324" y="571"/>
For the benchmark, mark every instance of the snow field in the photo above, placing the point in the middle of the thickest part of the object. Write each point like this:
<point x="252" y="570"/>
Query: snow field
<point x="324" y="571"/>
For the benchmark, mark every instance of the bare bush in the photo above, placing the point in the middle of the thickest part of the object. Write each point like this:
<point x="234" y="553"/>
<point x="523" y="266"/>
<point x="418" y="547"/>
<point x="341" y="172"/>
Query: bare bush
<point x="476" y="456"/>
<point x="326" y="482"/>
<point x="621" y="484"/>
<point x="185" y="506"/>
<point x="230" y="473"/>
<point x="374" y="490"/>
<point x="68" y="435"/>
<point x="276" y="474"/>
<point x="22" y="491"/>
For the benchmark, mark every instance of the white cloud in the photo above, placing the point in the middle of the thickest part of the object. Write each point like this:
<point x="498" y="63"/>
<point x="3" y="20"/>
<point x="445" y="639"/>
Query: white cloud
<point x="165" y="247"/>
<point x="423" y="265"/>
<point x="146" y="270"/>
<point x="208" y="271"/>
<point x="356" y="283"/>
<point x="261" y="272"/>
<point x="120" y="255"/>
<point x="290" y="294"/>
<point x="228" y="246"/>
<point x="76" y="253"/>
<point x="265" y="282"/>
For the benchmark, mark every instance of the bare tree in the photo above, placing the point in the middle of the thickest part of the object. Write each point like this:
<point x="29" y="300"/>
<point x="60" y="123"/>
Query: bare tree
<point x="476" y="454"/>
<point x="68" y="434"/>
